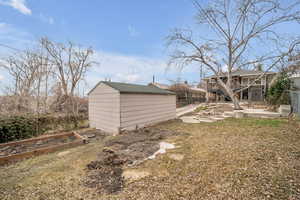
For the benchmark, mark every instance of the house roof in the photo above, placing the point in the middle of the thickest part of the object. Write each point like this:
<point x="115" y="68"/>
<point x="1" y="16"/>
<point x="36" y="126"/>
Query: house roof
<point x="242" y="73"/>
<point x="134" y="88"/>
<point x="198" y="89"/>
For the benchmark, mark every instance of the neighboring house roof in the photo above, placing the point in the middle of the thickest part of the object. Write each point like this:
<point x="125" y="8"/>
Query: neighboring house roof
<point x="172" y="87"/>
<point x="242" y="73"/>
<point x="134" y="88"/>
<point x="184" y="86"/>
<point x="198" y="89"/>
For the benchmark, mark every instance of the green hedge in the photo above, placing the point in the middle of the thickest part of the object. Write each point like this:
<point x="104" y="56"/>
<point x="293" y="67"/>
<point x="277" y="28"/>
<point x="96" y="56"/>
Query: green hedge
<point x="15" y="128"/>
<point x="279" y="92"/>
<point x="22" y="127"/>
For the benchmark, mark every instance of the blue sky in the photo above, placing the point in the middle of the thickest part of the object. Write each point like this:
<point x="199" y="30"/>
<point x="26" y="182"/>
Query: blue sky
<point x="128" y="36"/>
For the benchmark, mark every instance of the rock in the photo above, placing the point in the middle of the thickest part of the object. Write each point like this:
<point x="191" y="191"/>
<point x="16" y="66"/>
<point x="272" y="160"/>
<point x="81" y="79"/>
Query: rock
<point x="177" y="157"/>
<point x="91" y="135"/>
<point x="63" y="153"/>
<point x="14" y="151"/>
<point x="133" y="174"/>
<point x="40" y="142"/>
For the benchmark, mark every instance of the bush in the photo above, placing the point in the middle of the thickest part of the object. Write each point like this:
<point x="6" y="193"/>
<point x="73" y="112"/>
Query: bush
<point x="15" y="128"/>
<point x="22" y="127"/>
<point x="278" y="93"/>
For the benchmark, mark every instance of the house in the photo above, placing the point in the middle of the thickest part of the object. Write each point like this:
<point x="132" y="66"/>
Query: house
<point x="185" y="93"/>
<point x="256" y="84"/>
<point x="114" y="106"/>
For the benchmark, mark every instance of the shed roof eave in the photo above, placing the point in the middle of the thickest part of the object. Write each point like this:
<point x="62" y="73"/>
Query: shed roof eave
<point x="147" y="93"/>
<point x="138" y="89"/>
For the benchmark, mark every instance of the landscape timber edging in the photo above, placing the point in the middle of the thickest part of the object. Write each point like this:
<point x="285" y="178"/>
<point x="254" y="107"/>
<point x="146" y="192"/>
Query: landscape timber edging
<point x="15" y="157"/>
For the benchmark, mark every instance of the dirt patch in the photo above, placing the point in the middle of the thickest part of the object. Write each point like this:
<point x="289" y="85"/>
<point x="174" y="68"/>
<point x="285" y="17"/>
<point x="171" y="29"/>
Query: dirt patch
<point x="25" y="147"/>
<point x="133" y="174"/>
<point x="177" y="157"/>
<point x="105" y="174"/>
<point x="126" y="149"/>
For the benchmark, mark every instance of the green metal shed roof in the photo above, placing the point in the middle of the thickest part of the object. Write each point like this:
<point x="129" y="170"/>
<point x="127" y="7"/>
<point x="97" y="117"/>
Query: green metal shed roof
<point x="134" y="88"/>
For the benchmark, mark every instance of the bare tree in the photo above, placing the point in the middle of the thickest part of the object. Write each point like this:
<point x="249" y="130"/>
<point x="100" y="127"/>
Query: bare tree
<point x="24" y="69"/>
<point x="242" y="33"/>
<point x="70" y="64"/>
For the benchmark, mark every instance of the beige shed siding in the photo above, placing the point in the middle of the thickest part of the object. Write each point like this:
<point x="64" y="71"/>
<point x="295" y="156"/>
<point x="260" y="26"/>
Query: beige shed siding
<point x="104" y="108"/>
<point x="145" y="109"/>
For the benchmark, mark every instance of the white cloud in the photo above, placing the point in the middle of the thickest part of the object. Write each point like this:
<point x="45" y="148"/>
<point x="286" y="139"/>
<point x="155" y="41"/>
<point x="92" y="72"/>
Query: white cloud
<point x="46" y="19"/>
<point x="1" y="77"/>
<point x="126" y="68"/>
<point x="132" y="31"/>
<point x="128" y="77"/>
<point x="136" y="69"/>
<point x="19" y="5"/>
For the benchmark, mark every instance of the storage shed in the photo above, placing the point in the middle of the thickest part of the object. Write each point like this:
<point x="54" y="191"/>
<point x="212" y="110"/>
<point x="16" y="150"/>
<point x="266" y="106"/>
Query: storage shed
<point x="114" y="106"/>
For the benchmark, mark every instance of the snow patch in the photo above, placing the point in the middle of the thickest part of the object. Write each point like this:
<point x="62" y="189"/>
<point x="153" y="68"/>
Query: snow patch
<point x="163" y="146"/>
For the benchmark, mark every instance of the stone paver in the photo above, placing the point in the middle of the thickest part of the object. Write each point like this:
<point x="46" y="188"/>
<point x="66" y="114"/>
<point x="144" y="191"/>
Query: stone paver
<point x="190" y="120"/>
<point x="196" y="119"/>
<point x="186" y="109"/>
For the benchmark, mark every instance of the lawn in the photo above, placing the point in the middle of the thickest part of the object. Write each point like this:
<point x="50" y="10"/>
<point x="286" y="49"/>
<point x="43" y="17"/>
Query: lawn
<point x="231" y="159"/>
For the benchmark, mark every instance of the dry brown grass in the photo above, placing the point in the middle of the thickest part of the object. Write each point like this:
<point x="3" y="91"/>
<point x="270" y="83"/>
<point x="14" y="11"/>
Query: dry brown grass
<point x="232" y="159"/>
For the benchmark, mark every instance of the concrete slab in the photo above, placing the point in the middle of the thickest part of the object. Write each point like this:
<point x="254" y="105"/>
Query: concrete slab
<point x="228" y="114"/>
<point x="218" y="118"/>
<point x="196" y="120"/>
<point x="208" y="120"/>
<point x="190" y="119"/>
<point x="285" y="110"/>
<point x="187" y="109"/>
<point x="261" y="113"/>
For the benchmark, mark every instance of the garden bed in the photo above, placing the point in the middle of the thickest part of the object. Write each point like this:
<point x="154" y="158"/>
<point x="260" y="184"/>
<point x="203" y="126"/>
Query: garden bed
<point x="14" y="151"/>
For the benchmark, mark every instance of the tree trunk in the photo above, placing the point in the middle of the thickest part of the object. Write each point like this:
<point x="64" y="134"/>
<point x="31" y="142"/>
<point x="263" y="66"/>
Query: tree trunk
<point x="229" y="91"/>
